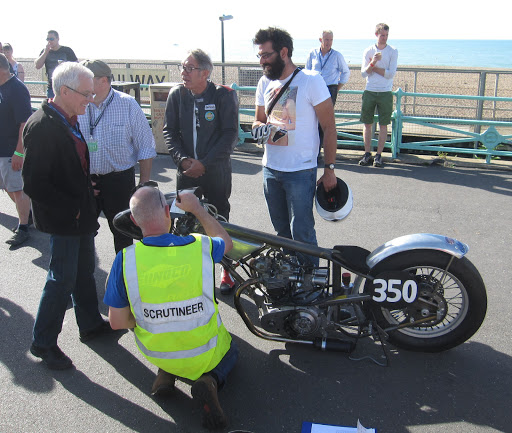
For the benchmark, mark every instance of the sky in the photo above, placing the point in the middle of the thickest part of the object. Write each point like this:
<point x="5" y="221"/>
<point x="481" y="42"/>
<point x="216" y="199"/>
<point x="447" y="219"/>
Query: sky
<point x="166" y="30"/>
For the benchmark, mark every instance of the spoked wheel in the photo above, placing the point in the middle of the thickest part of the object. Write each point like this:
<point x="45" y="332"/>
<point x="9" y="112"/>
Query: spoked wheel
<point x="449" y="308"/>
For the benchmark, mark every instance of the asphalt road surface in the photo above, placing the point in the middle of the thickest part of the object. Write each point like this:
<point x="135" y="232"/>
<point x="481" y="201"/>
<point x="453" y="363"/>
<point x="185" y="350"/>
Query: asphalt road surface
<point x="276" y="386"/>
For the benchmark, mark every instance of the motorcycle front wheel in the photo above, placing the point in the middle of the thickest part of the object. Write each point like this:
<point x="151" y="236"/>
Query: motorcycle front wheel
<point x="455" y="299"/>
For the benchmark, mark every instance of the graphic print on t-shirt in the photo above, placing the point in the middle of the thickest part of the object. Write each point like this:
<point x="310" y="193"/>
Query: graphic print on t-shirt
<point x="283" y="116"/>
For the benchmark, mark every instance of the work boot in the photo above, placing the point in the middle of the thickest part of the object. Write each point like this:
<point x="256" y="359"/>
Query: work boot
<point x="163" y="384"/>
<point x="204" y="391"/>
<point x="227" y="284"/>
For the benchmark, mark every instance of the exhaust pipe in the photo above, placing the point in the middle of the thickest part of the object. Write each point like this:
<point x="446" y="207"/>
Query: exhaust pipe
<point x="324" y="344"/>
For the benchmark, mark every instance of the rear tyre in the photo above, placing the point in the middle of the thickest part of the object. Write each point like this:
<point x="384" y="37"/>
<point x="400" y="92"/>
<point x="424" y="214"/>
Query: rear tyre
<point x="457" y="298"/>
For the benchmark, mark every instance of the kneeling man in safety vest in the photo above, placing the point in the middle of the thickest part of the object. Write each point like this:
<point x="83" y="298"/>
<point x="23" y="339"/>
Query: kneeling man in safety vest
<point x="163" y="288"/>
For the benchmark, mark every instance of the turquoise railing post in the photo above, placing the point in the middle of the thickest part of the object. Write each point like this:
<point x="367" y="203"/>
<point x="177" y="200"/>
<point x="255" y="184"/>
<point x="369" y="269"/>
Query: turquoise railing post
<point x="241" y="137"/>
<point x="396" y="132"/>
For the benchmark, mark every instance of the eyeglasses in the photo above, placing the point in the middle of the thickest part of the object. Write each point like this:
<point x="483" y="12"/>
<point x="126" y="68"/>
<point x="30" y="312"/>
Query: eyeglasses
<point x="50" y="39"/>
<point x="151" y="184"/>
<point x="188" y="69"/>
<point x="85" y="95"/>
<point x="265" y="56"/>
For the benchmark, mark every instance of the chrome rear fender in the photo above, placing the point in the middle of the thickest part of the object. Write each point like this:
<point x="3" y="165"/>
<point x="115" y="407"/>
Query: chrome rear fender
<point x="419" y="241"/>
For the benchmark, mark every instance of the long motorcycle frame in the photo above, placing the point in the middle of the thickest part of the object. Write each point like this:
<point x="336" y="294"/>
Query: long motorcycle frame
<point x="316" y="313"/>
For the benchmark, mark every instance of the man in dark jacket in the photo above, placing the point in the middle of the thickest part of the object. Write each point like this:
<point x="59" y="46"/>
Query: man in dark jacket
<point x="56" y="178"/>
<point x="201" y="131"/>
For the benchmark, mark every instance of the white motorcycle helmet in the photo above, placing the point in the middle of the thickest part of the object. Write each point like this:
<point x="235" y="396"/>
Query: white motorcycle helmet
<point x="335" y="204"/>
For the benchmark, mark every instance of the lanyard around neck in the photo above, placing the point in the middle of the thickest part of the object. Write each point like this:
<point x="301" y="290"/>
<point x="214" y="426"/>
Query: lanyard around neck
<point x="75" y="130"/>
<point x="326" y="60"/>
<point x="92" y="125"/>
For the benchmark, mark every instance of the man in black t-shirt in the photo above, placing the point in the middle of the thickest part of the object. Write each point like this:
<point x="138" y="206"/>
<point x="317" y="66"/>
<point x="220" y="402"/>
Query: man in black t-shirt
<point x="52" y="55"/>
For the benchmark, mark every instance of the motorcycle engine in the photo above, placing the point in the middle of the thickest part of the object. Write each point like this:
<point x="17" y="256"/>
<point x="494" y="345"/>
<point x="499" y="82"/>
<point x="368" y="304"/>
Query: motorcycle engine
<point x="295" y="322"/>
<point x="289" y="288"/>
<point x="283" y="276"/>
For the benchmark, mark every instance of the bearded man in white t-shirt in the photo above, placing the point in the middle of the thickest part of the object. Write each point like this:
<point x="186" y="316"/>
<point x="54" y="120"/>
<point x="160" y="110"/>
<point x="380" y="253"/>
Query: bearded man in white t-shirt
<point x="289" y="133"/>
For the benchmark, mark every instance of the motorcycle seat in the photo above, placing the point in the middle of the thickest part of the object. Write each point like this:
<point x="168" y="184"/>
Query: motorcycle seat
<point x="353" y="257"/>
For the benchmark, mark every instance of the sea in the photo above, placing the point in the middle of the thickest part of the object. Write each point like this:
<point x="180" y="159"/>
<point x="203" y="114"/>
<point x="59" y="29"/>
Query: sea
<point x="411" y="52"/>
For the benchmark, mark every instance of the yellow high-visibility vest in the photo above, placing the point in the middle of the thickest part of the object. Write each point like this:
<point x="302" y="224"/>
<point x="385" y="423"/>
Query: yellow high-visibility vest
<point x="171" y="294"/>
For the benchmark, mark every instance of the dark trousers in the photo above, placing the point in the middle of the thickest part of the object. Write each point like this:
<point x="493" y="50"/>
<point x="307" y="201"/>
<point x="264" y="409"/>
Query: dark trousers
<point x="115" y="191"/>
<point x="71" y="272"/>
<point x="333" y="90"/>
<point x="216" y="186"/>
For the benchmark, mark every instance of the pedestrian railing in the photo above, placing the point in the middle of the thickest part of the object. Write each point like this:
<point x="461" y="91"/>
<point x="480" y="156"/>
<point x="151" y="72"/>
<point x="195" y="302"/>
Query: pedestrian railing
<point x="480" y="137"/>
<point x="487" y="138"/>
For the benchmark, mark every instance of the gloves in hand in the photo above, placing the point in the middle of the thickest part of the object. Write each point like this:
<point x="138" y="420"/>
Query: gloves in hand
<point x="262" y="133"/>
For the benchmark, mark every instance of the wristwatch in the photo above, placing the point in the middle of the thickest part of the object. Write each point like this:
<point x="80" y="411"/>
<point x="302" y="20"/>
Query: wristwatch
<point x="329" y="166"/>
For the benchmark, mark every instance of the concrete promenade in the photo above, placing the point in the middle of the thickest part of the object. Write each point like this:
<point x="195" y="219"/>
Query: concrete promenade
<point x="276" y="386"/>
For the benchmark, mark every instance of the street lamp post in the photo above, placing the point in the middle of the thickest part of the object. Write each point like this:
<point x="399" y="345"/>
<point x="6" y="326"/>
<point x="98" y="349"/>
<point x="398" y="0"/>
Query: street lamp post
<point x="222" y="19"/>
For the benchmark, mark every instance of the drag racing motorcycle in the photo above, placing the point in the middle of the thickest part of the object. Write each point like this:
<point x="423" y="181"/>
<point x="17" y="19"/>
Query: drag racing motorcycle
<point x="418" y="292"/>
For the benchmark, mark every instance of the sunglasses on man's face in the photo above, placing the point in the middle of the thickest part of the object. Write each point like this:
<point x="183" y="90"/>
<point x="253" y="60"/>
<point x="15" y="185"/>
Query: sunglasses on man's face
<point x="50" y="39"/>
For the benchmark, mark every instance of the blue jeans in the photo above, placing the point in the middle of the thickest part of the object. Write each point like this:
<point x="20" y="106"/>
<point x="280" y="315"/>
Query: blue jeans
<point x="225" y="365"/>
<point x="289" y="197"/>
<point x="71" y="273"/>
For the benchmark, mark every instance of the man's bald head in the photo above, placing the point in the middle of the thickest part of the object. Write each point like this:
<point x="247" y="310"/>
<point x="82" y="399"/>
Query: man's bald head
<point x="148" y="207"/>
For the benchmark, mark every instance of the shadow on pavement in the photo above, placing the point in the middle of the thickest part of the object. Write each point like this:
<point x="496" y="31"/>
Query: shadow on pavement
<point x="488" y="180"/>
<point x="471" y="383"/>
<point x="15" y="340"/>
<point x="467" y="383"/>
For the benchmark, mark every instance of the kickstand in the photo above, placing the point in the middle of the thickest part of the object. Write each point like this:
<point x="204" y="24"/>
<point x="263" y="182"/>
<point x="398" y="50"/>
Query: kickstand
<point x="383" y="343"/>
<point x="382" y="339"/>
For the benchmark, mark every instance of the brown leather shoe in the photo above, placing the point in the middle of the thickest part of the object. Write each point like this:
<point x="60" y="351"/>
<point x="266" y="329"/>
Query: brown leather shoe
<point x="163" y="384"/>
<point x="204" y="391"/>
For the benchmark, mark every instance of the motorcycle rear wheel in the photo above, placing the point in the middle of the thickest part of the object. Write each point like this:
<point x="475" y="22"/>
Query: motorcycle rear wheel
<point x="460" y="293"/>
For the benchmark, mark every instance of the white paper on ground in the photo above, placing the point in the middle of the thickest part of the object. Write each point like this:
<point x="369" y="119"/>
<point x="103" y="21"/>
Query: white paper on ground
<point x="322" y="428"/>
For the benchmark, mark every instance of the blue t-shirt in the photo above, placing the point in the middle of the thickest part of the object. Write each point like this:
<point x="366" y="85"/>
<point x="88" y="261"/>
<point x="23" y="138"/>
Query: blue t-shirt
<point x="115" y="294"/>
<point x="15" y="109"/>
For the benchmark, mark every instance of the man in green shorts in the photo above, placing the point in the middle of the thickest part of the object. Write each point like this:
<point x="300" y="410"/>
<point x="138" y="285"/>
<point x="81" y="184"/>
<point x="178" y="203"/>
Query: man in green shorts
<point x="379" y="68"/>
